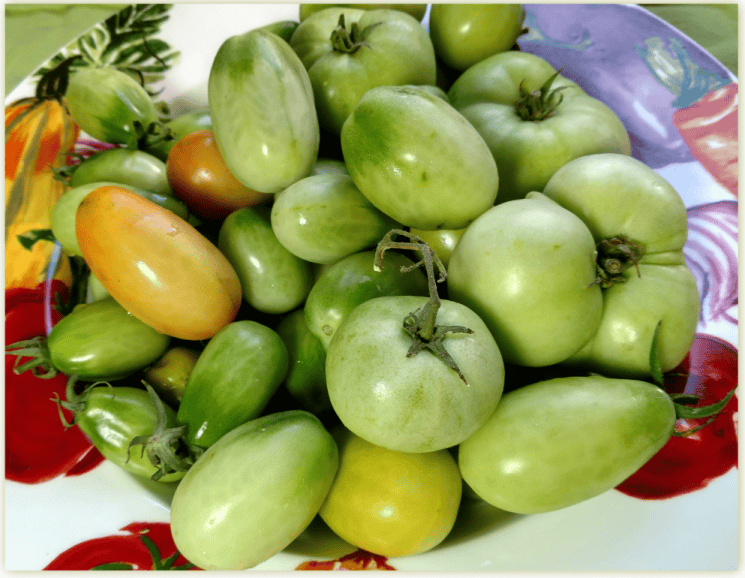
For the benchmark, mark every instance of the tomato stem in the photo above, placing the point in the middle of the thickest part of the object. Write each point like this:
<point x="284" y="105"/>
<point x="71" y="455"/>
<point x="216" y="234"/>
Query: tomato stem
<point x="165" y="447"/>
<point x="539" y="104"/>
<point x="350" y="41"/>
<point x="421" y="324"/>
<point x="614" y="256"/>
<point x="40" y="363"/>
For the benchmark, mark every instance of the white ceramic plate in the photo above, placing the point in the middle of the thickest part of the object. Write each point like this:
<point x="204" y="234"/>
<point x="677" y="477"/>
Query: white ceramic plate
<point x="612" y="51"/>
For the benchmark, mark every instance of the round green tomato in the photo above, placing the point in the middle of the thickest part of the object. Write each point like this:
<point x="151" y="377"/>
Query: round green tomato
<point x="325" y="217"/>
<point x="306" y="373"/>
<point x="108" y="104"/>
<point x="262" y="110"/>
<point x="128" y="167"/>
<point x="411" y="403"/>
<point x="239" y="370"/>
<point x="528" y="147"/>
<point x="254" y="491"/>
<point x="348" y="51"/>
<point x="416" y="10"/>
<point x="418" y="160"/>
<point x="464" y="34"/>
<point x="169" y="374"/>
<point x="101" y="341"/>
<point x="621" y="200"/>
<point x="111" y="417"/>
<point x="181" y="126"/>
<point x="391" y="503"/>
<point x="352" y="281"/>
<point x="273" y="279"/>
<point x="63" y="212"/>
<point x="556" y="443"/>
<point x="527" y="268"/>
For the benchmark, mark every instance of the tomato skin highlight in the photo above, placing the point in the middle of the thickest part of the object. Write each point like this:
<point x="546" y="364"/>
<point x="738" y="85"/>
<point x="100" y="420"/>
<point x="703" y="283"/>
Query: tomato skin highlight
<point x="160" y="268"/>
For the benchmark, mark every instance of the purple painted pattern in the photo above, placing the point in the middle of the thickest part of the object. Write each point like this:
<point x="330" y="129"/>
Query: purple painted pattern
<point x="711" y="254"/>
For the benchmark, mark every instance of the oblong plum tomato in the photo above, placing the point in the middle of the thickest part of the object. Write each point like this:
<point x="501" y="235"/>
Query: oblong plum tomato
<point x="109" y="105"/>
<point x="556" y="443"/>
<point x="129" y="167"/>
<point x="224" y="514"/>
<point x="102" y="341"/>
<point x="113" y="417"/>
<point x="159" y="267"/>
<point x="199" y="177"/>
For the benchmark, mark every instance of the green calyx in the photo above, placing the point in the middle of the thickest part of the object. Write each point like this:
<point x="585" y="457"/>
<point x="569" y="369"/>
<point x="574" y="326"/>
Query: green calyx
<point x="421" y="324"/>
<point x="350" y="41"/>
<point x="614" y="256"/>
<point x="165" y="447"/>
<point x="37" y="349"/>
<point x="539" y="104"/>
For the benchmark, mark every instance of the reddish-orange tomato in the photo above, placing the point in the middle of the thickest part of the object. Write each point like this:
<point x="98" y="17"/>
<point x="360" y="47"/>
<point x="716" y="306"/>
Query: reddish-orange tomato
<point x="156" y="265"/>
<point x="199" y="177"/>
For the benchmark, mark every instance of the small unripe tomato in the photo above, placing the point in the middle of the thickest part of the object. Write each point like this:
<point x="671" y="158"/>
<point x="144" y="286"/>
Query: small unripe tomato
<point x="199" y="177"/>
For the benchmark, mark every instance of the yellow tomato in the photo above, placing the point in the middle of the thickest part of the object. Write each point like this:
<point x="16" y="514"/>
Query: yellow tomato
<point x="156" y="265"/>
<point x="391" y="503"/>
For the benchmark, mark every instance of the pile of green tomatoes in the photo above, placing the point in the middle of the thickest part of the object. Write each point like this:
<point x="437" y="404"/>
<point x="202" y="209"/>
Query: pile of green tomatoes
<point x="387" y="270"/>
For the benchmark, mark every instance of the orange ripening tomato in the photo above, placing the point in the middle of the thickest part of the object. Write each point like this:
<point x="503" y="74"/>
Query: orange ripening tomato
<point x="37" y="133"/>
<point x="199" y="177"/>
<point x="156" y="265"/>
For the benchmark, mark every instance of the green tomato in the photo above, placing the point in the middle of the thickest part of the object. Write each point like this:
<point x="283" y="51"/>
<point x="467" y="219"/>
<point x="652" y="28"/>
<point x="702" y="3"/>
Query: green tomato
<point x="263" y="113"/>
<point x="442" y="242"/>
<point x="416" y="10"/>
<point x="324" y="165"/>
<point x="352" y="281"/>
<point x="527" y="268"/>
<point x="391" y="503"/>
<point x="254" y="491"/>
<point x="622" y="201"/>
<point x="239" y="370"/>
<point x="128" y="167"/>
<point x="418" y="160"/>
<point x="411" y="403"/>
<point x="96" y="290"/>
<point x="556" y="443"/>
<point x="111" y="417"/>
<point x="325" y="217"/>
<point x="273" y="279"/>
<point x="63" y="212"/>
<point x="284" y="28"/>
<point x="102" y="341"/>
<point x="181" y="126"/>
<point x="306" y="374"/>
<point x="531" y="140"/>
<point x="464" y="34"/>
<point x="109" y="105"/>
<point x="348" y="51"/>
<point x="169" y="374"/>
